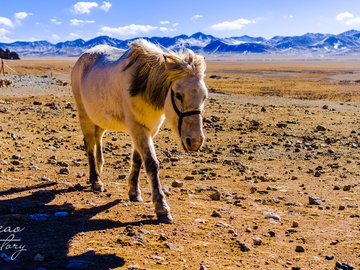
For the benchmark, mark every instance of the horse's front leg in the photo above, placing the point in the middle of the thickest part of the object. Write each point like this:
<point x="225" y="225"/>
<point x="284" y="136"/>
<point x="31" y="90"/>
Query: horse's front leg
<point x="133" y="180"/>
<point x="145" y="146"/>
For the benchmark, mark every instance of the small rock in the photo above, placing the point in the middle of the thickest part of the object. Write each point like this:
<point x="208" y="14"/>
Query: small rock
<point x="299" y="249"/>
<point x="334" y="242"/>
<point x="157" y="258"/>
<point x="341" y="207"/>
<point x="189" y="177"/>
<point x="347" y="188"/>
<point x="177" y="183"/>
<point x="244" y="247"/>
<point x="257" y="241"/>
<point x="200" y="221"/>
<point x="216" y="196"/>
<point x="295" y="224"/>
<point x="325" y="107"/>
<point x="273" y="216"/>
<point x="203" y="267"/>
<point x="272" y="233"/>
<point x="281" y="125"/>
<point x="314" y="201"/>
<point x="64" y="171"/>
<point x="215" y="213"/>
<point x="320" y="128"/>
<point x="336" y="187"/>
<point x="38" y="258"/>
<point x="237" y="203"/>
<point x="221" y="224"/>
<point x="170" y="246"/>
<point x="329" y="257"/>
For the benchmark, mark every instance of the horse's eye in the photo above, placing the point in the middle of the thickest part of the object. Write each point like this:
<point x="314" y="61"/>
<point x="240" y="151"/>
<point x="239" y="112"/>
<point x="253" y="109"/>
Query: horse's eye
<point x="179" y="97"/>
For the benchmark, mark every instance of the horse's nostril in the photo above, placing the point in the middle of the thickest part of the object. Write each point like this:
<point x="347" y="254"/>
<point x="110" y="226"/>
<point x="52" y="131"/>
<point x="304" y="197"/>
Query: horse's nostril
<point x="188" y="142"/>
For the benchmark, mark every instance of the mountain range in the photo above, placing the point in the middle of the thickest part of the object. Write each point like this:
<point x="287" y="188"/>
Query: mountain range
<point x="347" y="43"/>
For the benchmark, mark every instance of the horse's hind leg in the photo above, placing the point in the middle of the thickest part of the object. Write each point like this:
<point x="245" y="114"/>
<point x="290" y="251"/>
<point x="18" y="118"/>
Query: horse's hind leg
<point x="99" y="132"/>
<point x="133" y="180"/>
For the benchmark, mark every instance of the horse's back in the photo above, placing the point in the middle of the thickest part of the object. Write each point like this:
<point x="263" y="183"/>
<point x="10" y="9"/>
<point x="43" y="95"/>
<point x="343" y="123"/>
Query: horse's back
<point x="101" y="55"/>
<point x="98" y="87"/>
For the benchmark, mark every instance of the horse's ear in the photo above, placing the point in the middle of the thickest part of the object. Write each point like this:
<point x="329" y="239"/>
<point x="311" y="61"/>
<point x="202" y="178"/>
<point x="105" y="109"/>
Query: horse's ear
<point x="169" y="61"/>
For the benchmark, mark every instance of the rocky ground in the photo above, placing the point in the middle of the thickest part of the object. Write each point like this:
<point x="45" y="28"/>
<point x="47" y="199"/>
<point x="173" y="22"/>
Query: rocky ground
<point x="275" y="187"/>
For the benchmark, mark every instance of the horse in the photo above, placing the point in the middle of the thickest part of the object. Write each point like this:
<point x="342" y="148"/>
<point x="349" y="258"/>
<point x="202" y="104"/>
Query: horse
<point x="135" y="91"/>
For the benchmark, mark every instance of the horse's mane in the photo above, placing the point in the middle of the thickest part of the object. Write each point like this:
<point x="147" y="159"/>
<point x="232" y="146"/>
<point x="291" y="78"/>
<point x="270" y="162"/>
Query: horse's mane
<point x="156" y="68"/>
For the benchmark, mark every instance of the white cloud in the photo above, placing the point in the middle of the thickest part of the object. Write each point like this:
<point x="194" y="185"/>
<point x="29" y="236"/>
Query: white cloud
<point x="132" y="29"/>
<point x="106" y="6"/>
<point x="22" y="15"/>
<point x="164" y="22"/>
<point x="84" y="7"/>
<point x="55" y="21"/>
<point x="55" y="37"/>
<point x="196" y="17"/>
<point x="166" y="29"/>
<point x="348" y="18"/>
<point x="76" y="22"/>
<point x="175" y="24"/>
<point x="344" y="16"/>
<point x="6" y="22"/>
<point x="74" y="35"/>
<point x="3" y="35"/>
<point x="232" y="25"/>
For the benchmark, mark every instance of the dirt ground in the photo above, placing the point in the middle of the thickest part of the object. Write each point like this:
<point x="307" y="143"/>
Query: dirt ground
<point x="276" y="185"/>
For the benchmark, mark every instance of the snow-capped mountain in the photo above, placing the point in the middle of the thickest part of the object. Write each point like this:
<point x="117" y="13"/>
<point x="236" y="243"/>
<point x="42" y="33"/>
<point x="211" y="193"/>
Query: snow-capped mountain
<point x="310" y="43"/>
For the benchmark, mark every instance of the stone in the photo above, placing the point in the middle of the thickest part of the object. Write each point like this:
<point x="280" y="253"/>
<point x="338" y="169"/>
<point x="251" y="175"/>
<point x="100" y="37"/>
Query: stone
<point x="257" y="241"/>
<point x="177" y="184"/>
<point x="320" y="128"/>
<point x="189" y="177"/>
<point x="347" y="188"/>
<point x="64" y="171"/>
<point x="295" y="224"/>
<point x="244" y="247"/>
<point x="216" y="196"/>
<point x="314" y="201"/>
<point x="329" y="257"/>
<point x="215" y="213"/>
<point x="38" y="258"/>
<point x="299" y="249"/>
<point x="273" y="216"/>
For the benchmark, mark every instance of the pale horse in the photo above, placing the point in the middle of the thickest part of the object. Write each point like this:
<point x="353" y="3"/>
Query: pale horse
<point x="136" y="91"/>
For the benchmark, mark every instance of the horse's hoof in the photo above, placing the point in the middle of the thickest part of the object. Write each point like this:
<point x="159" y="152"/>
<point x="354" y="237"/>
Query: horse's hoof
<point x="97" y="187"/>
<point x="164" y="218"/>
<point x="135" y="198"/>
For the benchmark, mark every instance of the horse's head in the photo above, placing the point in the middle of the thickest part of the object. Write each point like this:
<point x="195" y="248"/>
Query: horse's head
<point x="184" y="107"/>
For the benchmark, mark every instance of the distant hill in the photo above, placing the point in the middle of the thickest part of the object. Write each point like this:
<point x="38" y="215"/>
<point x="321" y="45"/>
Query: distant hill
<point x="347" y="43"/>
<point x="7" y="54"/>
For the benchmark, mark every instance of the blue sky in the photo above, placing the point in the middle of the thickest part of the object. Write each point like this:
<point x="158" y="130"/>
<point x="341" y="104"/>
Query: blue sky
<point x="61" y="20"/>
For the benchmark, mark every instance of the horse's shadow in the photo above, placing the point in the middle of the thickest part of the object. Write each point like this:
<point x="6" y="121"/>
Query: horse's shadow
<point x="47" y="231"/>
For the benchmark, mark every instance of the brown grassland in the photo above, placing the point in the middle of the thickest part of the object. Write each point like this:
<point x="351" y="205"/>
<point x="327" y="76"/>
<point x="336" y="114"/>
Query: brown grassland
<point x="278" y="132"/>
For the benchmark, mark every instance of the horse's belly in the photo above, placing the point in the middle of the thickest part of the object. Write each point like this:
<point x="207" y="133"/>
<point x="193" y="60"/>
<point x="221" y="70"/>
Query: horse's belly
<point x="109" y="121"/>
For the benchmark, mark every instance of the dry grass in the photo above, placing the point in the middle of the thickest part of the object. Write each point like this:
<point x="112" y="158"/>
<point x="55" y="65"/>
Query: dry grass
<point x="327" y="80"/>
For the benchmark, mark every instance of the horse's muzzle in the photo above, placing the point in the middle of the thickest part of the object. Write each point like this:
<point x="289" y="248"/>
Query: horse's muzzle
<point x="192" y="144"/>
